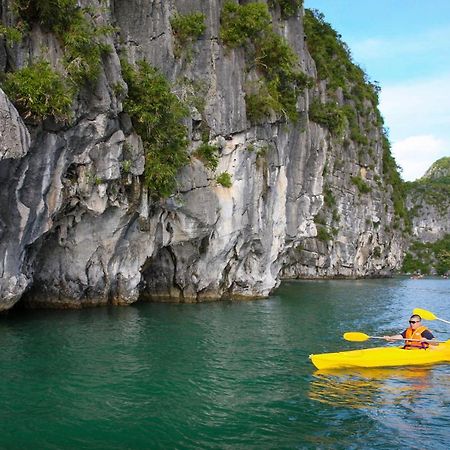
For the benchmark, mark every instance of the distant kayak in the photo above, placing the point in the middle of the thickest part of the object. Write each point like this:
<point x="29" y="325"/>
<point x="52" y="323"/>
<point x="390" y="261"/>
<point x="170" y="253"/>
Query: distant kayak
<point x="382" y="357"/>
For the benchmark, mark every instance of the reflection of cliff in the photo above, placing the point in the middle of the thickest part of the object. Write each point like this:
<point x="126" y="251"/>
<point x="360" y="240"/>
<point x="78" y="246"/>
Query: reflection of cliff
<point x="368" y="388"/>
<point x="311" y="174"/>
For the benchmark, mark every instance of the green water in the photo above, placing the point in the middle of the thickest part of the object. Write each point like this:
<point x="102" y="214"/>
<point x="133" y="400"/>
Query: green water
<point x="222" y="375"/>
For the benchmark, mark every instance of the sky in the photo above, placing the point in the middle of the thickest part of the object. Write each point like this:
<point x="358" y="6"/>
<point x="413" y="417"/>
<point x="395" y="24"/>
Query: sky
<point x="404" y="45"/>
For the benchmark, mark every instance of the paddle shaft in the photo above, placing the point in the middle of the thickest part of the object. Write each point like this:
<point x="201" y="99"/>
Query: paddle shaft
<point x="443" y="320"/>
<point x="405" y="339"/>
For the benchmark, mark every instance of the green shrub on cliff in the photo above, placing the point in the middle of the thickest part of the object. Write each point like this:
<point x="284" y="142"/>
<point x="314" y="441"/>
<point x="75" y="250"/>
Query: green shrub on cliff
<point x="392" y="176"/>
<point x="80" y="37"/>
<point x="421" y="257"/>
<point x="157" y="115"/>
<point x="329" y="115"/>
<point x="243" y="23"/>
<point x="323" y="234"/>
<point x="209" y="154"/>
<point x="362" y="186"/>
<point x="39" y="92"/>
<point x="187" y="27"/>
<point x="224" y="179"/>
<point x="439" y="169"/>
<point x="281" y="82"/>
<point x="288" y="8"/>
<point x="435" y="192"/>
<point x="83" y="50"/>
<point x="360" y="99"/>
<point x="276" y="60"/>
<point x="334" y="62"/>
<point x="11" y="35"/>
<point x="260" y="100"/>
<point x="52" y="15"/>
<point x="433" y="188"/>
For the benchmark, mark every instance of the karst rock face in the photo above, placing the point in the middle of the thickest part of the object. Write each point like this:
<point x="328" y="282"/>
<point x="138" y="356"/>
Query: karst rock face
<point x="78" y="226"/>
<point x="429" y="203"/>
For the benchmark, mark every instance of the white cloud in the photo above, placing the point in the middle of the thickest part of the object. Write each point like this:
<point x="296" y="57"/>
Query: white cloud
<point x="417" y="106"/>
<point x="417" y="114"/>
<point x="415" y="154"/>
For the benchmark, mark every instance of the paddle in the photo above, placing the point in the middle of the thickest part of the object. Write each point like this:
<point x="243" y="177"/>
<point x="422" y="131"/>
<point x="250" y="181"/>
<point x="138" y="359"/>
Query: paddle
<point x="355" y="336"/>
<point x="427" y="315"/>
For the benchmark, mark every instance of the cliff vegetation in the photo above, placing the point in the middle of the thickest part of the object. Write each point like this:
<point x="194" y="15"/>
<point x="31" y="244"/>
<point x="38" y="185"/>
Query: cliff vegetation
<point x="429" y="210"/>
<point x="186" y="151"/>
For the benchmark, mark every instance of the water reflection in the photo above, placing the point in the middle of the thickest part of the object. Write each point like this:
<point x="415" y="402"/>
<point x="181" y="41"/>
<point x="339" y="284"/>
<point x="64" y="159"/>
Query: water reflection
<point x="367" y="388"/>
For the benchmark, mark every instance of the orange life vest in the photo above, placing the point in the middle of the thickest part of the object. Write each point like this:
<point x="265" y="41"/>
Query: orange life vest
<point x="415" y="334"/>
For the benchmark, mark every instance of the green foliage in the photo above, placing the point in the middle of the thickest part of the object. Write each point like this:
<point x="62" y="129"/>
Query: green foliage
<point x="334" y="64"/>
<point x="333" y="59"/>
<point x="156" y="114"/>
<point x="377" y="252"/>
<point x="392" y="177"/>
<point x="224" y="179"/>
<point x="243" y="23"/>
<point x="439" y="169"/>
<point x="12" y="35"/>
<point x="39" y="92"/>
<point x="83" y="51"/>
<point x="320" y="219"/>
<point x="288" y="8"/>
<point x="336" y="217"/>
<point x="276" y="60"/>
<point x="434" y="191"/>
<point x="354" y="126"/>
<point x="328" y="198"/>
<point x="329" y="115"/>
<point x="412" y="264"/>
<point x="260" y="100"/>
<point x="52" y="15"/>
<point x="187" y="27"/>
<point x="248" y="25"/>
<point x="423" y="256"/>
<point x="79" y="36"/>
<point x="323" y="234"/>
<point x="209" y="154"/>
<point x="362" y="186"/>
<point x="126" y="165"/>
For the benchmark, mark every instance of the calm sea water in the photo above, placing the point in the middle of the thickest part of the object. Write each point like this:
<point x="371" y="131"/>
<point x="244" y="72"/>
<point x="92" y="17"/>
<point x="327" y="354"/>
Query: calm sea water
<point x="228" y="375"/>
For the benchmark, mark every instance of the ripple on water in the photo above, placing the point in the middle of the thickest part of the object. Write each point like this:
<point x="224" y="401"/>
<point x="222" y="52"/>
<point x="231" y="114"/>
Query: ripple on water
<point x="223" y="375"/>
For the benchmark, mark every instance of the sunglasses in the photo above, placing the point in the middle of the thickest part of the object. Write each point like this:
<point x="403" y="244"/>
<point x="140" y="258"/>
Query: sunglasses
<point x="414" y="321"/>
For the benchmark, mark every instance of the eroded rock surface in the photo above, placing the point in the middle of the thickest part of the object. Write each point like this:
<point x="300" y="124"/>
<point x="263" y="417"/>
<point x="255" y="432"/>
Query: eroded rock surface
<point x="79" y="228"/>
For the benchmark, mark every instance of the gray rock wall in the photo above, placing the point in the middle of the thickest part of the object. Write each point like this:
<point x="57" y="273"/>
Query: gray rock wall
<point x="78" y="229"/>
<point x="430" y="220"/>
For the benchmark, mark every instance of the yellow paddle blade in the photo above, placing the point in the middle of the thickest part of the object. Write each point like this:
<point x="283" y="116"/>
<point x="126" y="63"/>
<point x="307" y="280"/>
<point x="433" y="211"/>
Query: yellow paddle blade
<point x="427" y="315"/>
<point x="354" y="336"/>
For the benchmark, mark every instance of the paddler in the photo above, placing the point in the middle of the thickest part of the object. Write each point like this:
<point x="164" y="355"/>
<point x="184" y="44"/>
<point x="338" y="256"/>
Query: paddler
<point x="416" y="331"/>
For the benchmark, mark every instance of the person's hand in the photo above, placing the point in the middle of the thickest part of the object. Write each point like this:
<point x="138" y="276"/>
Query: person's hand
<point x="388" y="338"/>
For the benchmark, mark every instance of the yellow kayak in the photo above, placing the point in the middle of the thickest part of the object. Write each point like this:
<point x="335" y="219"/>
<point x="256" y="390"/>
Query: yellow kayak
<point x="382" y="357"/>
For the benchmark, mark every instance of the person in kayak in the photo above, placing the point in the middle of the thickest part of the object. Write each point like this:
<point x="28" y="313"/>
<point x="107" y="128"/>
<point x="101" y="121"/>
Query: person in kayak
<point x="415" y="331"/>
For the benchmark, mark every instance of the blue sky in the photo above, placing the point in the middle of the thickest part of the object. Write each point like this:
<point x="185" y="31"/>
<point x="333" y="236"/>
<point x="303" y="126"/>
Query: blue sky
<point x="405" y="46"/>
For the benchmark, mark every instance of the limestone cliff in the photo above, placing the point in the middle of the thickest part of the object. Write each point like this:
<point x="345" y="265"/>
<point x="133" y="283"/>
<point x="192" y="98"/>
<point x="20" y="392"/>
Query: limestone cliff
<point x="428" y="202"/>
<point x="310" y="169"/>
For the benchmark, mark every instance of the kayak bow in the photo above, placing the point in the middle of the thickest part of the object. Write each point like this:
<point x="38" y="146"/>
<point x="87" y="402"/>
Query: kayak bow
<point x="382" y="357"/>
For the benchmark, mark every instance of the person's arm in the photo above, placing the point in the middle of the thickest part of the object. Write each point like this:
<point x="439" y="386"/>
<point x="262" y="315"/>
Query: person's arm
<point x="395" y="337"/>
<point x="428" y="335"/>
